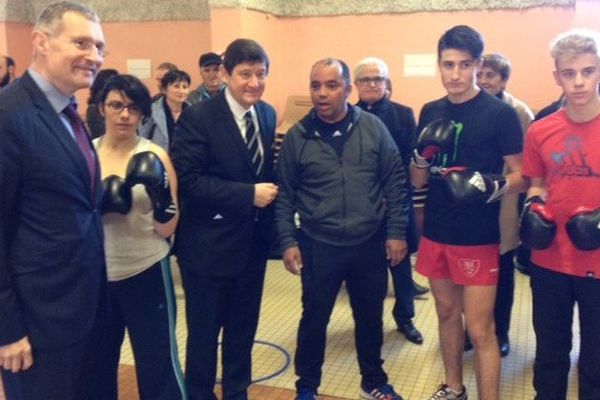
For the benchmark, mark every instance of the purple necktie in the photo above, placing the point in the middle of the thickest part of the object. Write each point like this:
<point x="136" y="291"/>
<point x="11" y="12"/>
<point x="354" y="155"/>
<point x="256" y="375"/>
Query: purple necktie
<point x="83" y="141"/>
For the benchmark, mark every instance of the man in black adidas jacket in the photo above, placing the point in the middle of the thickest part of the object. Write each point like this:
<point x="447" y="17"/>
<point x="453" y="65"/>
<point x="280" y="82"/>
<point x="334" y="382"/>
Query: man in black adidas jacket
<point x="340" y="170"/>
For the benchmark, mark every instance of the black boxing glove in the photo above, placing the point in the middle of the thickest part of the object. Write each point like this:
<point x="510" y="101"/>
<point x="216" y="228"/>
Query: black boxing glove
<point x="466" y="185"/>
<point x="583" y="228"/>
<point x="437" y="137"/>
<point x="538" y="227"/>
<point x="116" y="197"/>
<point x="147" y="169"/>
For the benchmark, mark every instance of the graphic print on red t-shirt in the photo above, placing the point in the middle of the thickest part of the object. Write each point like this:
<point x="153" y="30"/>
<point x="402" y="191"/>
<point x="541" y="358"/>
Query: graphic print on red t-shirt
<point x="572" y="161"/>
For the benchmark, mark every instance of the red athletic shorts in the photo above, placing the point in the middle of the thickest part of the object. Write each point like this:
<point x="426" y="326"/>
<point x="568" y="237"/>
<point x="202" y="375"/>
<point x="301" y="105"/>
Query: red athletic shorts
<point x="463" y="265"/>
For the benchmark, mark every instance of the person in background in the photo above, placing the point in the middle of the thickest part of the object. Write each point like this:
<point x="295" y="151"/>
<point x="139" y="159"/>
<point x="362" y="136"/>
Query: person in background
<point x="52" y="268"/>
<point x="223" y="153"/>
<point x="139" y="213"/>
<point x="160" y="126"/>
<point x="493" y="78"/>
<point x="160" y="71"/>
<point x="7" y="70"/>
<point x="212" y="84"/>
<point x="93" y="118"/>
<point x="561" y="218"/>
<point x="370" y="75"/>
<point x="418" y="200"/>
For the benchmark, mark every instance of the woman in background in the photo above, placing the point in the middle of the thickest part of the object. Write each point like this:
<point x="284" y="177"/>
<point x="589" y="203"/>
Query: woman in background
<point x="166" y="110"/>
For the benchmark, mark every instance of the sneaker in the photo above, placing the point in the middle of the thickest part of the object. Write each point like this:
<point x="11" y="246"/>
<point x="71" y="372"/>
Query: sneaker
<point x="306" y="394"/>
<point x="383" y="392"/>
<point x="443" y="392"/>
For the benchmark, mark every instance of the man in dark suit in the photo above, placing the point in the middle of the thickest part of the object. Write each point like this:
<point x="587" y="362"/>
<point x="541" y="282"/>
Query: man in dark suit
<point x="223" y="156"/>
<point x="52" y="272"/>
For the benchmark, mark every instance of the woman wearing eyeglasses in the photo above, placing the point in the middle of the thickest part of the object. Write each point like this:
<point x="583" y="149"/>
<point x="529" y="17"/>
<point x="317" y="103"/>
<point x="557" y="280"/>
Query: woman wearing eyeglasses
<point x="139" y="213"/>
<point x="175" y="87"/>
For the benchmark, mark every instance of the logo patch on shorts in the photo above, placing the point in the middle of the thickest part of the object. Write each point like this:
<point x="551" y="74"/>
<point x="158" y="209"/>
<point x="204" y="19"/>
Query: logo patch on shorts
<point x="469" y="268"/>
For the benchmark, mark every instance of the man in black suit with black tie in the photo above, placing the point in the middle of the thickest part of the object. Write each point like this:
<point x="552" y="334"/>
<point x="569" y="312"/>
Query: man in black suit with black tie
<point x="52" y="272"/>
<point x="223" y="155"/>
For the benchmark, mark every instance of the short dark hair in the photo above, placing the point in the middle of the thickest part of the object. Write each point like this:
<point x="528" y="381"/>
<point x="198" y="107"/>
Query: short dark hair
<point x="101" y="78"/>
<point x="462" y="37"/>
<point x="9" y="61"/>
<point x="498" y="63"/>
<point x="174" y="76"/>
<point x="335" y="61"/>
<point x="131" y="87"/>
<point x="244" y="50"/>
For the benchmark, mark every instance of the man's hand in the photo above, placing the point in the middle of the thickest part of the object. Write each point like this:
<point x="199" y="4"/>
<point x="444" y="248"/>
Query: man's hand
<point x="292" y="259"/>
<point x="395" y="251"/>
<point x="16" y="356"/>
<point x="264" y="194"/>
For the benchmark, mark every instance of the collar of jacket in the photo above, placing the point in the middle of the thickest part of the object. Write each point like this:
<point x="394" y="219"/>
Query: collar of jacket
<point x="307" y="123"/>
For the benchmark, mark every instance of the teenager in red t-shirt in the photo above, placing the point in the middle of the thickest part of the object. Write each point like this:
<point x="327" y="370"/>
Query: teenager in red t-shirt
<point x="562" y="160"/>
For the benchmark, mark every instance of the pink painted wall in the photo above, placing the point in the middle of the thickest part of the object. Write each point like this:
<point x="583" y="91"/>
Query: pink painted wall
<point x="523" y="36"/>
<point x="180" y="42"/>
<point x="15" y="40"/>
<point x="293" y="44"/>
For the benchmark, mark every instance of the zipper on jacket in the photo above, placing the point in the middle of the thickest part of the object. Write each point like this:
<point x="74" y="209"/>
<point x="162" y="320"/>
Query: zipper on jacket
<point x="344" y="208"/>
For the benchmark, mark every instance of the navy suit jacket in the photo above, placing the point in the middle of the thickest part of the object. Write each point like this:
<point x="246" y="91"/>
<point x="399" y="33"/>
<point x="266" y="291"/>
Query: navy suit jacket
<point x="219" y="228"/>
<point x="52" y="269"/>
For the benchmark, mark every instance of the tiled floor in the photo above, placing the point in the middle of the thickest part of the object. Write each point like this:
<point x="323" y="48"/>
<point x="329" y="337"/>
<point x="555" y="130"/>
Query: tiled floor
<point x="413" y="370"/>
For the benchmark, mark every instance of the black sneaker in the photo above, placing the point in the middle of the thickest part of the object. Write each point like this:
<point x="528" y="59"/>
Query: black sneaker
<point x="443" y="392"/>
<point x="383" y="392"/>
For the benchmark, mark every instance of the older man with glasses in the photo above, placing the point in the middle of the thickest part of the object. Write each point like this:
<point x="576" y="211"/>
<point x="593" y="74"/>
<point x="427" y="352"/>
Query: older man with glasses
<point x="370" y="76"/>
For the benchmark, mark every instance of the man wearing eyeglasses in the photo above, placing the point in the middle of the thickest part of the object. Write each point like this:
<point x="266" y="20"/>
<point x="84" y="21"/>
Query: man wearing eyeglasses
<point x="370" y="77"/>
<point x="52" y="271"/>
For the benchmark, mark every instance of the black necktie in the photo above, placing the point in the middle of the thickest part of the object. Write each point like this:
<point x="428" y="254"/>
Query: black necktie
<point x="83" y="141"/>
<point x="252" y="139"/>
